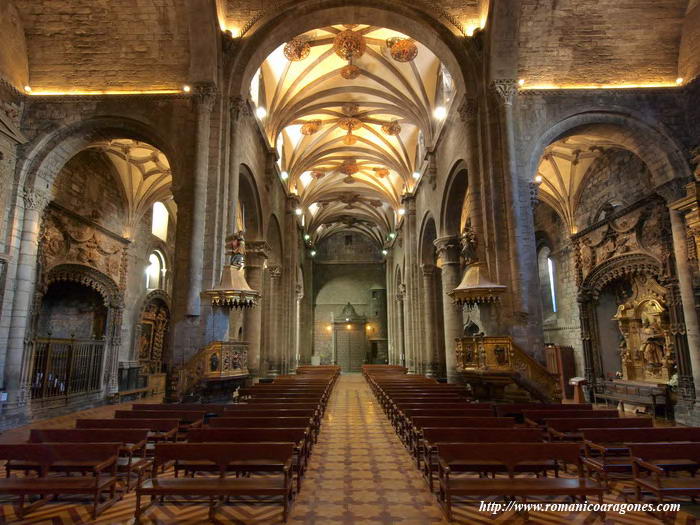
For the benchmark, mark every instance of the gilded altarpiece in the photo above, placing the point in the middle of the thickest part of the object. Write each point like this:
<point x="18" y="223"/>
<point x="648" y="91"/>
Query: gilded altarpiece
<point x="629" y="252"/>
<point x="155" y="321"/>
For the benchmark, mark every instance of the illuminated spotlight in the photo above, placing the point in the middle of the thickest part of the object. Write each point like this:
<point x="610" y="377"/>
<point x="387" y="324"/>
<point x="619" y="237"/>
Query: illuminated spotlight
<point x="284" y="175"/>
<point x="186" y="88"/>
<point x="538" y="179"/>
<point x="679" y="80"/>
<point x="307" y="236"/>
<point x="348" y="326"/>
<point x="440" y="112"/>
<point x="28" y="89"/>
<point x="402" y="211"/>
<point x="521" y="82"/>
<point x="385" y="252"/>
<point x="260" y="112"/>
<point x="313" y="253"/>
<point x="298" y="211"/>
<point x="392" y="235"/>
<point x="416" y="175"/>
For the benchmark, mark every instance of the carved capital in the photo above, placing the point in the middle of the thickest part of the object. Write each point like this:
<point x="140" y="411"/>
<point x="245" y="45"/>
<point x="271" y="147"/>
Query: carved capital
<point x="534" y="191"/>
<point x="447" y="249"/>
<point x="35" y="199"/>
<point x="205" y="95"/>
<point x="275" y="271"/>
<point x="427" y="269"/>
<point x="239" y="108"/>
<point x="506" y="89"/>
<point x="468" y="110"/>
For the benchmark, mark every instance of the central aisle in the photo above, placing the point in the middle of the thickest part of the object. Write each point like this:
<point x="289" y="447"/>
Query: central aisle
<point x="360" y="471"/>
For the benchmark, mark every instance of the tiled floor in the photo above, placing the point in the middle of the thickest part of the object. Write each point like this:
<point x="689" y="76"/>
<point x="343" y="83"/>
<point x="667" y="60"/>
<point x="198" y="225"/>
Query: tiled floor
<point x="359" y="474"/>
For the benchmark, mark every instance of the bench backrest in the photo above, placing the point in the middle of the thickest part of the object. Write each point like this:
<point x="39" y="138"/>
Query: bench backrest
<point x="509" y="454"/>
<point x="270" y="406"/>
<point x="576" y="424"/>
<point x="246" y="435"/>
<point x="482" y="435"/>
<point x="475" y="422"/>
<point x="656" y="451"/>
<point x="279" y="412"/>
<point x="154" y="425"/>
<point x="223" y="454"/>
<point x="46" y="455"/>
<point x="641" y="435"/>
<point x="541" y="415"/>
<point x="185" y="416"/>
<point x="282" y="399"/>
<point x="259" y="422"/>
<point x="197" y="407"/>
<point x="517" y="408"/>
<point x="440" y="412"/>
<point x="90" y="435"/>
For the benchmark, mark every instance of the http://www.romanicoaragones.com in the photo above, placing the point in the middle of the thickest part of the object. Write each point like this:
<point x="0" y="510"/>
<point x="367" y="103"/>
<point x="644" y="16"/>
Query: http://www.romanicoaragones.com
<point x="495" y="507"/>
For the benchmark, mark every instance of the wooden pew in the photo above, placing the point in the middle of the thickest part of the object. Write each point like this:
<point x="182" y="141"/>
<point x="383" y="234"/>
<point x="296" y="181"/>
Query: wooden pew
<point x="132" y="457"/>
<point x="569" y="429"/>
<point x="298" y="436"/>
<point x="100" y="459"/>
<point x="188" y="418"/>
<point x="404" y="422"/>
<point x="537" y="417"/>
<point x="511" y="456"/>
<point x="516" y="409"/>
<point x="650" y="469"/>
<point x="415" y="432"/>
<point x="244" y="458"/>
<point x="434" y="436"/>
<point x="207" y="408"/>
<point x="158" y="429"/>
<point x="398" y="408"/>
<point x="606" y="451"/>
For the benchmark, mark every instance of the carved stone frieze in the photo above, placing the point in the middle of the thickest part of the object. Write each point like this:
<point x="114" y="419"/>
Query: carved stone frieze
<point x="506" y="89"/>
<point x="68" y="240"/>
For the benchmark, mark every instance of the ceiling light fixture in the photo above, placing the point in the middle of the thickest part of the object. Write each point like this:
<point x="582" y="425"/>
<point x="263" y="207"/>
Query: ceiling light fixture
<point x="385" y="252"/>
<point x="402" y="211"/>
<point x="313" y="253"/>
<point x="521" y="82"/>
<point x="28" y="89"/>
<point x="538" y="179"/>
<point x="307" y="236"/>
<point x="284" y="175"/>
<point x="392" y="235"/>
<point x="261" y="112"/>
<point x="416" y="175"/>
<point x="298" y="211"/>
<point x="440" y="112"/>
<point x="186" y="88"/>
<point x="679" y="80"/>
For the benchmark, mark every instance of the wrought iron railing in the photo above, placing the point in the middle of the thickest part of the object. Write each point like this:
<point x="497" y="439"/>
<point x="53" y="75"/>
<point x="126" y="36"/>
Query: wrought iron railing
<point x="63" y="367"/>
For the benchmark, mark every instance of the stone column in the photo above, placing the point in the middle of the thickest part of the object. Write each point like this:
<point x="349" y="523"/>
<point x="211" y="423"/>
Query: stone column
<point x="412" y="321"/>
<point x="256" y="253"/>
<point x="18" y="362"/>
<point x="401" y="343"/>
<point x="448" y="260"/>
<point x="430" y="358"/>
<point x="204" y="96"/>
<point x="239" y="109"/>
<point x="685" y="284"/>
<point x="274" y="338"/>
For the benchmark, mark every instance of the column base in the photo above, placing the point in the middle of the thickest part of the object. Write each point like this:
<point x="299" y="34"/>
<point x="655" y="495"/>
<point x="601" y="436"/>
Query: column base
<point x="687" y="413"/>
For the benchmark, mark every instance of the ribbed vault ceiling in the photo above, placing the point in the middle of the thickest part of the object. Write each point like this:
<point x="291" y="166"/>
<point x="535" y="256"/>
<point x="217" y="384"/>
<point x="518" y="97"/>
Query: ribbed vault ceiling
<point x="351" y="124"/>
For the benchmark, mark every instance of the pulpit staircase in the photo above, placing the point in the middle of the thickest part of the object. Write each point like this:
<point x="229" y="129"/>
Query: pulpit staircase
<point x="213" y="373"/>
<point x="497" y="369"/>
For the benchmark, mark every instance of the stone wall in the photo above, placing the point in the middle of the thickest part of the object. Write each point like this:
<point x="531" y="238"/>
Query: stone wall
<point x="100" y="44"/>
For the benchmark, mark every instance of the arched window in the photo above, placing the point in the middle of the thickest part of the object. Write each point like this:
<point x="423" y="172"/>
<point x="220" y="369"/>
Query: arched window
<point x="159" y="223"/>
<point x="155" y="271"/>
<point x="547" y="271"/>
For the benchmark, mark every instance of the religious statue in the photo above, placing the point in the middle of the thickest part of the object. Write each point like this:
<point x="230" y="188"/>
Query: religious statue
<point x="235" y="249"/>
<point x="653" y="346"/>
<point x="467" y="241"/>
<point x="471" y="329"/>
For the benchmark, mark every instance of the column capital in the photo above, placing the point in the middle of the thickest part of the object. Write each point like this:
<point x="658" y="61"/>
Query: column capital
<point x="35" y="199"/>
<point x="256" y="250"/>
<point x="447" y="248"/>
<point x="427" y="269"/>
<point x="275" y="271"/>
<point x="238" y="106"/>
<point x="468" y="109"/>
<point x="205" y="95"/>
<point x="506" y="89"/>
